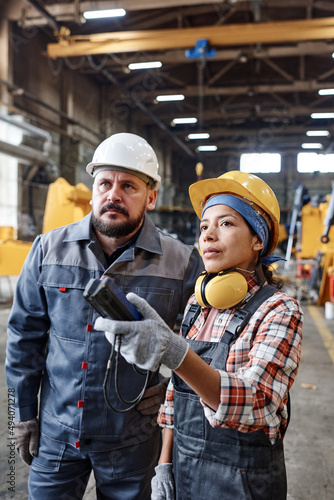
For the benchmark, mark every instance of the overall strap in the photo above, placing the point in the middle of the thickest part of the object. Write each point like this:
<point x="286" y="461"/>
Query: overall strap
<point x="190" y="318"/>
<point x="242" y="316"/>
<point x="240" y="320"/>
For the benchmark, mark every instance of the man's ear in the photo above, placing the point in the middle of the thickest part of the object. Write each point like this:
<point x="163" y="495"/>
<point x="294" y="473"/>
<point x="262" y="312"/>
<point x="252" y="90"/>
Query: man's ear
<point x="151" y="199"/>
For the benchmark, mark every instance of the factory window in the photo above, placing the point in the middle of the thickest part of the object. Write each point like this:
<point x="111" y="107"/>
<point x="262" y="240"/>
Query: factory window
<point x="315" y="162"/>
<point x="260" y="163"/>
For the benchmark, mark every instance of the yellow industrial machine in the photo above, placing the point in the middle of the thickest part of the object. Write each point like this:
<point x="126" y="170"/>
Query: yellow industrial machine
<point x="12" y="252"/>
<point x="283" y="234"/>
<point x="326" y="278"/>
<point x="322" y="278"/>
<point x="312" y="227"/>
<point x="64" y="204"/>
<point x="314" y="250"/>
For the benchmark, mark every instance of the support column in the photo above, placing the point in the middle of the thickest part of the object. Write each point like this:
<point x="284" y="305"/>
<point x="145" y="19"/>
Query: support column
<point x="10" y="134"/>
<point x="69" y="148"/>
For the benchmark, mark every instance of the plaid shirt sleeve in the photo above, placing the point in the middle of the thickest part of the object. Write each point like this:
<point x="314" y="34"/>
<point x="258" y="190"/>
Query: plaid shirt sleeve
<point x="260" y="369"/>
<point x="166" y="413"/>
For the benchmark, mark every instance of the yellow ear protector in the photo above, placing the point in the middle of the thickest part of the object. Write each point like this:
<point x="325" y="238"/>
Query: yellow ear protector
<point x="220" y="290"/>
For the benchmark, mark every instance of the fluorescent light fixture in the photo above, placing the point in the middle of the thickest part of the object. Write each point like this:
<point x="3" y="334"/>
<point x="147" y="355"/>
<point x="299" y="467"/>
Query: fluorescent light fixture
<point x="203" y="135"/>
<point x="164" y="98"/>
<point x="101" y="14"/>
<point x="145" y="65"/>
<point x="207" y="148"/>
<point x="322" y="115"/>
<point x="326" y="92"/>
<point x="317" y="133"/>
<point x="181" y="121"/>
<point x="312" y="145"/>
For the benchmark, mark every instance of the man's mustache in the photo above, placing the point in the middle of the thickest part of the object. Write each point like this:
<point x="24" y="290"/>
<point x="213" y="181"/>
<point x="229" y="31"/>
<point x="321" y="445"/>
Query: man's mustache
<point x="114" y="206"/>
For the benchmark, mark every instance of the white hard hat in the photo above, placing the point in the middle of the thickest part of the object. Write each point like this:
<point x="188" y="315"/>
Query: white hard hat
<point x="126" y="152"/>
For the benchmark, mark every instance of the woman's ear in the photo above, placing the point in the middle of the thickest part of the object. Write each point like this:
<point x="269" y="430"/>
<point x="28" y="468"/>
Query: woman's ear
<point x="257" y="244"/>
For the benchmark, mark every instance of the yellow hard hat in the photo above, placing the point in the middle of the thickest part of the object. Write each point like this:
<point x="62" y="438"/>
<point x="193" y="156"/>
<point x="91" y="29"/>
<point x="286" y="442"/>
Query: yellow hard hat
<point x="247" y="187"/>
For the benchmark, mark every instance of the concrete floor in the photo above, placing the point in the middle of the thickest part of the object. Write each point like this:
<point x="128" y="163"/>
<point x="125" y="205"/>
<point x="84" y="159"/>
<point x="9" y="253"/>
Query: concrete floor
<point x="309" y="442"/>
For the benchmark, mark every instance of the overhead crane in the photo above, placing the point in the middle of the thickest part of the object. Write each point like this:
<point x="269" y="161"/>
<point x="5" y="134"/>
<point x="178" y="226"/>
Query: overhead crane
<point x="154" y="40"/>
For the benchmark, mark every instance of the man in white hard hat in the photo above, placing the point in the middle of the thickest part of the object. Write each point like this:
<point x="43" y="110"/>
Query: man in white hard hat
<point x="53" y="346"/>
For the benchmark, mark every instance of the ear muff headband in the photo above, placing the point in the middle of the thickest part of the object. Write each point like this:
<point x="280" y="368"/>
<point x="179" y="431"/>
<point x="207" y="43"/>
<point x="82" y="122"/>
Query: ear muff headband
<point x="221" y="290"/>
<point x="204" y="281"/>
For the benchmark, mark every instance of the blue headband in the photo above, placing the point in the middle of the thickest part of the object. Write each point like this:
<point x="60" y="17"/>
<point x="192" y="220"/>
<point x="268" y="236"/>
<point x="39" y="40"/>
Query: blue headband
<point x="253" y="218"/>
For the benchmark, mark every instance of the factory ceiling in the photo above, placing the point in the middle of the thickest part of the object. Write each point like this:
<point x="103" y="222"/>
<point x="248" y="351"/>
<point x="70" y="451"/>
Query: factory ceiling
<point x="250" y="71"/>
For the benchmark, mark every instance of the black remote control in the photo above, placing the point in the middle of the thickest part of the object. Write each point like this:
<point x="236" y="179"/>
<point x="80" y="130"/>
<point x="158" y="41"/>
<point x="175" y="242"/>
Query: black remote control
<point x="109" y="301"/>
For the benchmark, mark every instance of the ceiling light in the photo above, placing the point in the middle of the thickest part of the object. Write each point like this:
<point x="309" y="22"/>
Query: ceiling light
<point x="181" y="121"/>
<point x="322" y="115"/>
<point x="145" y="65"/>
<point x="312" y="145"/>
<point x="326" y="92"/>
<point x="100" y="14"/>
<point x="207" y="148"/>
<point x="317" y="133"/>
<point x="203" y="135"/>
<point x="176" y="97"/>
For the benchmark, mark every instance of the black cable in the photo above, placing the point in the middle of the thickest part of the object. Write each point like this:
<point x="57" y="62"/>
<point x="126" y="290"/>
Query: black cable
<point x="114" y="355"/>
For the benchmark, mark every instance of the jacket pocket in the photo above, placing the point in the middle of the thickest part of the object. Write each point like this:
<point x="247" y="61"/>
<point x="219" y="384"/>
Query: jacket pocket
<point x="50" y="454"/>
<point x="68" y="310"/>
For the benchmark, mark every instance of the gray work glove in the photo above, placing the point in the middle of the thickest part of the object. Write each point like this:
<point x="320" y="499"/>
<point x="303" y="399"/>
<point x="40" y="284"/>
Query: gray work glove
<point x="148" y="342"/>
<point x="162" y="483"/>
<point x="153" y="397"/>
<point x="27" y="438"/>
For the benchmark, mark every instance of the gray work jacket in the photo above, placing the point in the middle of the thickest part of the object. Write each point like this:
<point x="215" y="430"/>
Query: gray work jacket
<point x="52" y="344"/>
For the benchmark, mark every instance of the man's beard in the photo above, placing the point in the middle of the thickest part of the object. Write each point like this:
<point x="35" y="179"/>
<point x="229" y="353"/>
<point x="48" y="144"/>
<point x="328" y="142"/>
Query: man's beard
<point x="114" y="229"/>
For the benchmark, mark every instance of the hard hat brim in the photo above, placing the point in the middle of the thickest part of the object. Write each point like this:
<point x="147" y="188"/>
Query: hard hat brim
<point x="93" y="168"/>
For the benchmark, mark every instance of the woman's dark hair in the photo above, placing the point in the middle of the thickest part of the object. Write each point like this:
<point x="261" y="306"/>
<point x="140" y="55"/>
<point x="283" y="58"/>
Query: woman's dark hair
<point x="271" y="279"/>
<point x="268" y="273"/>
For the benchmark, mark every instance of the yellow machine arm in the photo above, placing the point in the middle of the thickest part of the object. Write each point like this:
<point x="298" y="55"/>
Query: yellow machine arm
<point x="64" y="204"/>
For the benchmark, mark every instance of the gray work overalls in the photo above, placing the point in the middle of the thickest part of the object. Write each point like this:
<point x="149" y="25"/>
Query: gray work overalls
<point x="221" y="463"/>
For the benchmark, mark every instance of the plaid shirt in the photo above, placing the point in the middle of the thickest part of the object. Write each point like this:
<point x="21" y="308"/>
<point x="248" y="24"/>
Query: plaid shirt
<point x="260" y="369"/>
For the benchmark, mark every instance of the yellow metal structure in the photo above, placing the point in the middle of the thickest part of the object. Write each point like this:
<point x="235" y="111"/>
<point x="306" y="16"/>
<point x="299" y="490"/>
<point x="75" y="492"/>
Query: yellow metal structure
<point x="153" y="40"/>
<point x="314" y="255"/>
<point x="312" y="227"/>
<point x="283" y="234"/>
<point x="64" y="204"/>
<point x="327" y="265"/>
<point x="12" y="252"/>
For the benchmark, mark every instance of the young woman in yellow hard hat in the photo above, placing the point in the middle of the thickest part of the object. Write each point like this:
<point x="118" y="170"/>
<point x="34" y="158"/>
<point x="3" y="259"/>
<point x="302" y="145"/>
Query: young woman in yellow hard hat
<point x="226" y="407"/>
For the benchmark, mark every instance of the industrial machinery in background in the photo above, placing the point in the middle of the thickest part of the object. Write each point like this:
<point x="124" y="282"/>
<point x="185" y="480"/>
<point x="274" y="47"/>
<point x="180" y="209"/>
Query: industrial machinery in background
<point x="311" y="241"/>
<point x="177" y="221"/>
<point x="64" y="204"/>
<point x="321" y="283"/>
